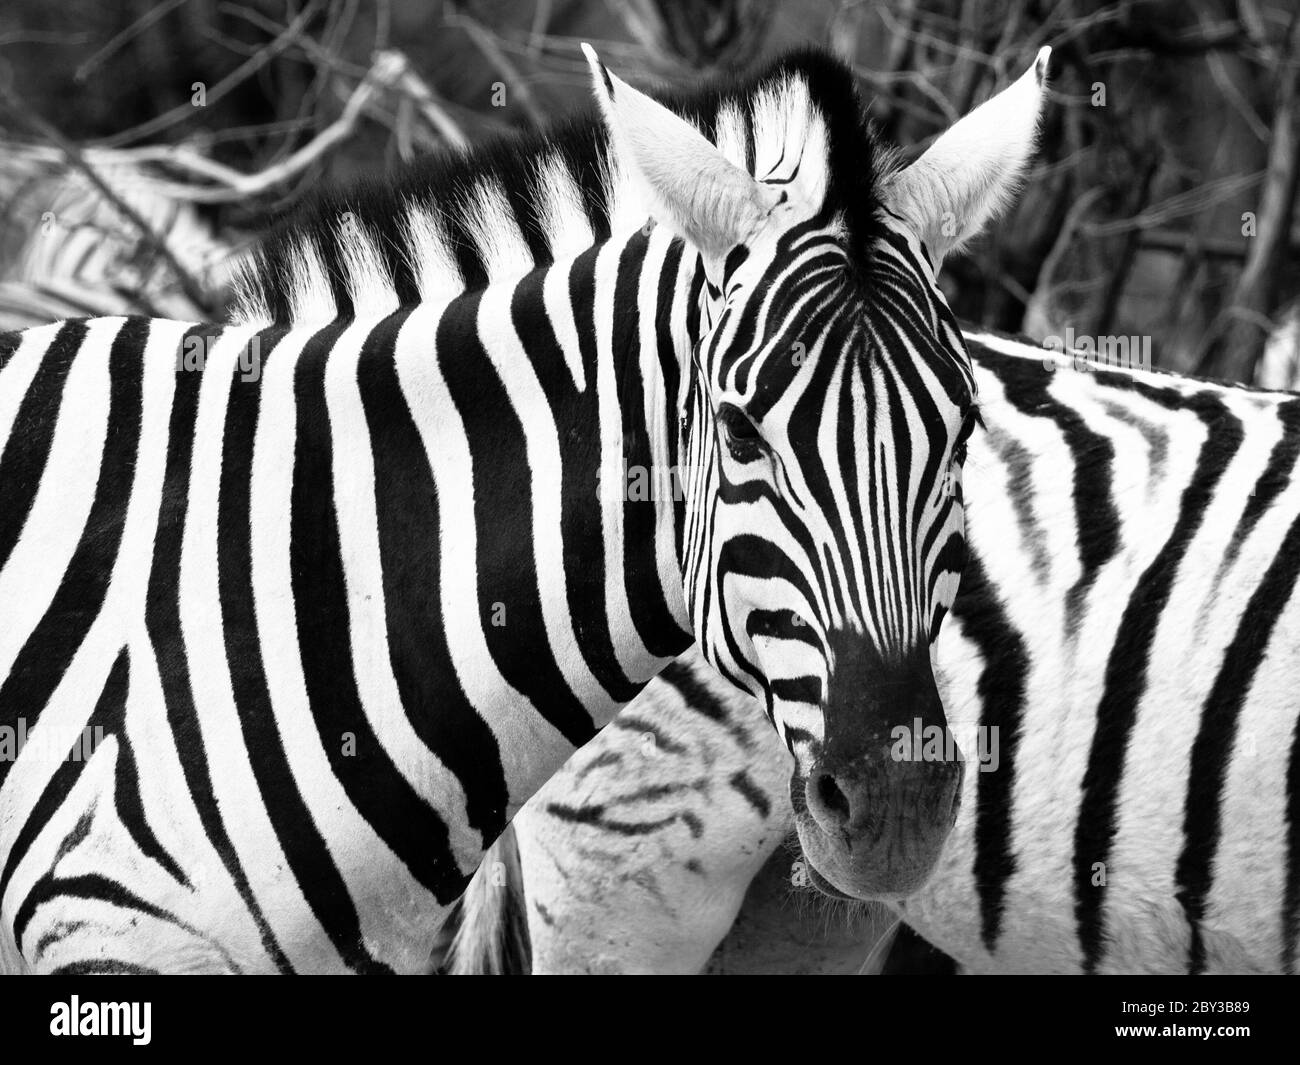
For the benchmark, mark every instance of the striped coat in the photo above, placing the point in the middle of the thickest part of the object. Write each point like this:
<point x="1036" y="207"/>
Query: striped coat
<point x="334" y="589"/>
<point x="1118" y="667"/>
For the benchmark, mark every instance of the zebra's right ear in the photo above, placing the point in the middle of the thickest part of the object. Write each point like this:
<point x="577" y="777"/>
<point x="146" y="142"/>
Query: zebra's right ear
<point x="689" y="185"/>
<point x="970" y="173"/>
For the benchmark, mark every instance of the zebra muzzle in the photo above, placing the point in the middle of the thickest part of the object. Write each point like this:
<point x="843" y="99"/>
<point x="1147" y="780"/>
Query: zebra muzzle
<point x="876" y="828"/>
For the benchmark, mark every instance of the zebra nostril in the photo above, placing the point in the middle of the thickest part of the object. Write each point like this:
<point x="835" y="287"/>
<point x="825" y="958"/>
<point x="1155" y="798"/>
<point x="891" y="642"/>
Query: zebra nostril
<point x="832" y="798"/>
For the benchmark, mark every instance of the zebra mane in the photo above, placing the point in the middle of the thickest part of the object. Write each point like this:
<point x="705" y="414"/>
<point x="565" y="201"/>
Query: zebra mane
<point x="455" y="222"/>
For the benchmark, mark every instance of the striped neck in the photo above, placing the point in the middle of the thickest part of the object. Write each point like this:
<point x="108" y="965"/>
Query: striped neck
<point x="549" y="412"/>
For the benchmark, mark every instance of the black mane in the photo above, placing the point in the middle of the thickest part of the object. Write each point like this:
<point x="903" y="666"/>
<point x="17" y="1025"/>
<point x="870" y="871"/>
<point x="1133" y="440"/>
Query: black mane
<point x="444" y="181"/>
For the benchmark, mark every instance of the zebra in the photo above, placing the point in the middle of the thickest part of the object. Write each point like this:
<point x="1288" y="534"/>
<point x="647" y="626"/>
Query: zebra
<point x="67" y="252"/>
<point x="1124" y="640"/>
<point x="349" y="577"/>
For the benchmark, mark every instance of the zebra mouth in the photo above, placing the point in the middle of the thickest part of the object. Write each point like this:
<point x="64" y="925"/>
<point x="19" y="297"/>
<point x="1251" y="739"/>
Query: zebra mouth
<point x="824" y="886"/>
<point x="876" y="835"/>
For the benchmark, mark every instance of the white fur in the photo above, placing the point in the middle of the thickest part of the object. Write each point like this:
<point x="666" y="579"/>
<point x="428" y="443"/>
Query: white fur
<point x="634" y="905"/>
<point x="970" y="173"/>
<point x="369" y="283"/>
<point x="560" y="211"/>
<point x="688" y="183"/>
<point x="613" y="922"/>
<point x="397" y="917"/>
<point x="377" y="687"/>
<point x="496" y="234"/>
<point x="437" y="275"/>
<point x="790" y="135"/>
<point x="32" y="573"/>
<point x="310" y="298"/>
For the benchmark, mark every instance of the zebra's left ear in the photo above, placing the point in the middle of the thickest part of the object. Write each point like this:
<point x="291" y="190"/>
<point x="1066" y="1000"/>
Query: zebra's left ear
<point x="689" y="185"/>
<point x="971" y="172"/>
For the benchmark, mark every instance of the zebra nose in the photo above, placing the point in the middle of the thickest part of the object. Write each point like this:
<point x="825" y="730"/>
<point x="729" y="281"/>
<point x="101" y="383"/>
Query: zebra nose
<point x="856" y="803"/>
<point x="839" y="803"/>
<point x="827" y="794"/>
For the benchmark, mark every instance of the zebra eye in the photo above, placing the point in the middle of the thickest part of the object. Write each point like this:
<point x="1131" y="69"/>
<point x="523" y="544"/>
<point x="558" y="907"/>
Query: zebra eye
<point x="969" y="422"/>
<point x="742" y="436"/>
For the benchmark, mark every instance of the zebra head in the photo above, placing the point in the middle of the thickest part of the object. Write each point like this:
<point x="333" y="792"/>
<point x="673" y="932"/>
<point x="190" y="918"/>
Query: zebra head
<point x="824" y="414"/>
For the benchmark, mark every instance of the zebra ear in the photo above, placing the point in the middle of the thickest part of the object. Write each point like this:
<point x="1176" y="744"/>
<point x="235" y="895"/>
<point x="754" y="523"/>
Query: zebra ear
<point x="689" y="185"/>
<point x="971" y="172"/>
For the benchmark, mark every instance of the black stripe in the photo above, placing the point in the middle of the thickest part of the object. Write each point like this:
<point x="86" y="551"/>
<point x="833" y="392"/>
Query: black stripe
<point x="584" y="549"/>
<point x="576" y="417"/>
<point x="523" y="195"/>
<point x="28" y="447"/>
<point x="398" y="263"/>
<point x="103" y="967"/>
<point x="781" y="625"/>
<point x="323" y="887"/>
<point x="89" y="886"/>
<point x="126" y="793"/>
<point x="1212" y="749"/>
<point x="1278" y="475"/>
<point x="106" y="715"/>
<point x="1291" y="897"/>
<point x="1097" y="525"/>
<point x="1002" y="684"/>
<point x="50" y="647"/>
<point x="630" y="722"/>
<point x="461" y="236"/>
<point x="670" y="363"/>
<point x="748" y="555"/>
<point x="698" y="697"/>
<point x="799" y="284"/>
<point x="407" y="505"/>
<point x="797" y="690"/>
<point x="654" y="621"/>
<point x="743" y="783"/>
<point x="376" y="788"/>
<point x="1019" y="463"/>
<point x="163" y="622"/>
<point x="704" y="698"/>
<point x="505" y="552"/>
<point x="1129" y="660"/>
<point x="594" y="816"/>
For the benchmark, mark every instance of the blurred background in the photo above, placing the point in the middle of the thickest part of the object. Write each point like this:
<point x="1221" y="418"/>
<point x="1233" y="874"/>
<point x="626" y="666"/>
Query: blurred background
<point x="144" y="141"/>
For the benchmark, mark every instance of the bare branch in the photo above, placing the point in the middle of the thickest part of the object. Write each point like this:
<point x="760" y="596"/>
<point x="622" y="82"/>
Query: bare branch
<point x="389" y="66"/>
<point x="236" y="77"/>
<point x="137" y="27"/>
<point x="486" y="43"/>
<point x="22" y="113"/>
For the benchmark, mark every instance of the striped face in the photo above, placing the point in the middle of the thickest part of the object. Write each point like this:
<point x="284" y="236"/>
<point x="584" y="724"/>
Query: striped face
<point x="824" y="531"/>
<point x="830" y="395"/>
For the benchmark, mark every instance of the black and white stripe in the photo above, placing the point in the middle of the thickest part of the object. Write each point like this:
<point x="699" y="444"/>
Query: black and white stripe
<point x="1127" y="623"/>
<point x="344" y="582"/>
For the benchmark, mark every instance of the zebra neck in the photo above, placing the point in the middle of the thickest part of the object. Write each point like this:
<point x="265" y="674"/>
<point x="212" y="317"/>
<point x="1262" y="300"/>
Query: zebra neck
<point x="547" y="414"/>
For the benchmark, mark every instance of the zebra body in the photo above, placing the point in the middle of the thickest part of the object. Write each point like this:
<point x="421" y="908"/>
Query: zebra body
<point x="344" y="582"/>
<point x="1127" y="623"/>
